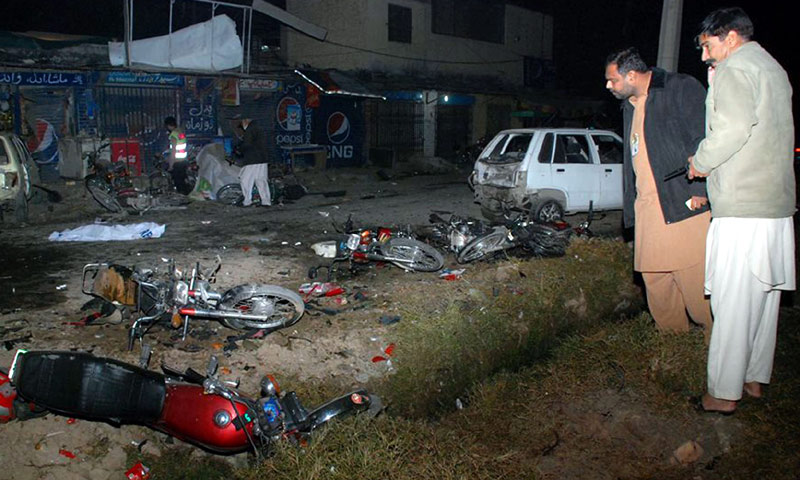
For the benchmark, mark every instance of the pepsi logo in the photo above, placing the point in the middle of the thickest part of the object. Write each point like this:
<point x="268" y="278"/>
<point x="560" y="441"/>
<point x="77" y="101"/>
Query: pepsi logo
<point x="287" y="108"/>
<point x="338" y="128"/>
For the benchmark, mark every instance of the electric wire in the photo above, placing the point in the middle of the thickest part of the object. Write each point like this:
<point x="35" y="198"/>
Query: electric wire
<point x="403" y="57"/>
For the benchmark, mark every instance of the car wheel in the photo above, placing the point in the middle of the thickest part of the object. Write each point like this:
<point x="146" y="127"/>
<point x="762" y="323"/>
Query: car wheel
<point x="549" y="211"/>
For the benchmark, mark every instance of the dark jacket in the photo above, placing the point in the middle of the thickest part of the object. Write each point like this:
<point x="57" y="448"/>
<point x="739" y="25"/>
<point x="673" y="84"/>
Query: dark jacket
<point x="674" y="125"/>
<point x="254" y="145"/>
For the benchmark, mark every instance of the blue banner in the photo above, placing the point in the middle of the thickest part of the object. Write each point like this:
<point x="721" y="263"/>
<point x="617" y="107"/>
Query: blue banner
<point x="339" y="125"/>
<point x="52" y="79"/>
<point x="145" y="78"/>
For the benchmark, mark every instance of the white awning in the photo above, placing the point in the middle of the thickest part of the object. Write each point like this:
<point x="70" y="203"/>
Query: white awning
<point x="209" y="46"/>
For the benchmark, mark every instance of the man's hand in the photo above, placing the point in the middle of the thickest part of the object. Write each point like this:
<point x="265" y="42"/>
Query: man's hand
<point x="697" y="202"/>
<point x="692" y="172"/>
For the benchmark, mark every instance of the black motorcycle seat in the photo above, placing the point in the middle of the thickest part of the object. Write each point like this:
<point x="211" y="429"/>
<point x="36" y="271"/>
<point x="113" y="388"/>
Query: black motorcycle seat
<point x="82" y="385"/>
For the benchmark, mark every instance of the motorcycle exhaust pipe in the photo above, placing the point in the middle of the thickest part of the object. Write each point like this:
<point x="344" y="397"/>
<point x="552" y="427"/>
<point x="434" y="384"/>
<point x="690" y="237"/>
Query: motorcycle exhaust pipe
<point x="196" y="312"/>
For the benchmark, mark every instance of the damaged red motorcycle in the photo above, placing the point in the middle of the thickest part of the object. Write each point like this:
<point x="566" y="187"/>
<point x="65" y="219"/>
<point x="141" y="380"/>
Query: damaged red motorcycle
<point x="199" y="409"/>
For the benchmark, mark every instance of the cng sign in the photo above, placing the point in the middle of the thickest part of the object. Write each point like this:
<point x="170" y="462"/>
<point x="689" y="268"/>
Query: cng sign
<point x="338" y="129"/>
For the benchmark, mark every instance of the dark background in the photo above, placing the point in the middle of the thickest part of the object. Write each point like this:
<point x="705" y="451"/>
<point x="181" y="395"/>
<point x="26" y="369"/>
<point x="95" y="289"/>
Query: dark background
<point x="586" y="31"/>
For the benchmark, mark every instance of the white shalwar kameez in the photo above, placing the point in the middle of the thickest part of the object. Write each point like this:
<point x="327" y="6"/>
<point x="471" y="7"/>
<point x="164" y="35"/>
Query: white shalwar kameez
<point x="748" y="262"/>
<point x="257" y="175"/>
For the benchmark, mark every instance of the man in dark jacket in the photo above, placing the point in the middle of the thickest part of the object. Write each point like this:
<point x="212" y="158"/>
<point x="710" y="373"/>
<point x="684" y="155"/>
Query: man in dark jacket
<point x="663" y="122"/>
<point x="254" y="161"/>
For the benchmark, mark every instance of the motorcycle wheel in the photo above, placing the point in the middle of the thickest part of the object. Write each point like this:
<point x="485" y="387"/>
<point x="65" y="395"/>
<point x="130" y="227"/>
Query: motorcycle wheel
<point x="230" y="194"/>
<point x="278" y="307"/>
<point x="415" y="255"/>
<point x="102" y="193"/>
<point x="482" y="246"/>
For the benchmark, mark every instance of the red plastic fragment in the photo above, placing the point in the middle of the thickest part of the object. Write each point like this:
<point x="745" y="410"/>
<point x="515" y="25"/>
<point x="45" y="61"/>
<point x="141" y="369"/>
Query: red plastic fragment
<point x="66" y="453"/>
<point x="138" y="472"/>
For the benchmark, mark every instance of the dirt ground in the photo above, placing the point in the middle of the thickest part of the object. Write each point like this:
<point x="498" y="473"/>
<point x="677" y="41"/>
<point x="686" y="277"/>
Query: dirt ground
<point x="40" y="294"/>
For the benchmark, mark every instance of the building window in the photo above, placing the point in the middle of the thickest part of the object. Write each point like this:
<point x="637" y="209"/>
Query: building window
<point x="399" y="24"/>
<point x="474" y="19"/>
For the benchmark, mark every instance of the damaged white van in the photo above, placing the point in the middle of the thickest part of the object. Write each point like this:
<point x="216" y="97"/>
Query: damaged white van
<point x="549" y="172"/>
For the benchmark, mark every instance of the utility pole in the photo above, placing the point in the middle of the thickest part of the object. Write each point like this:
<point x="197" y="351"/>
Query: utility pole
<point x="126" y="15"/>
<point x="669" y="41"/>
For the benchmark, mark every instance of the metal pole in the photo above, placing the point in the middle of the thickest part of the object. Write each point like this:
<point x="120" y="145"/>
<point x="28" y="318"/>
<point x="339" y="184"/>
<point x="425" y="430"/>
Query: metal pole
<point x="130" y="32"/>
<point x="249" y="37"/>
<point x="169" y="36"/>
<point x="213" y="12"/>
<point x="126" y="18"/>
<point x="244" y="30"/>
<point x="670" y="37"/>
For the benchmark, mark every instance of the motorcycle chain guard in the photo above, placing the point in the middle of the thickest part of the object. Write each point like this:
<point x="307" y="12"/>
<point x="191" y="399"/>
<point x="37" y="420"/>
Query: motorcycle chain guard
<point x="82" y="385"/>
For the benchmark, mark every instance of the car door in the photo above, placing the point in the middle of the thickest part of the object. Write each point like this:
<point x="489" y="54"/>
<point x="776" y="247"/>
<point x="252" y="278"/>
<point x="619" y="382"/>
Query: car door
<point x="608" y="149"/>
<point x="574" y="171"/>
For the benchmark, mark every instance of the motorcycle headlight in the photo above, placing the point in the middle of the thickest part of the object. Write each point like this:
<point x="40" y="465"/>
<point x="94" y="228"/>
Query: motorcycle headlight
<point x="181" y="293"/>
<point x="353" y="241"/>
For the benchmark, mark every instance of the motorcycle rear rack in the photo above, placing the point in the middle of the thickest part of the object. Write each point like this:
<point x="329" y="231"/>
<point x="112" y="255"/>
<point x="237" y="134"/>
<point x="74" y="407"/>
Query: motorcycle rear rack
<point x="93" y="269"/>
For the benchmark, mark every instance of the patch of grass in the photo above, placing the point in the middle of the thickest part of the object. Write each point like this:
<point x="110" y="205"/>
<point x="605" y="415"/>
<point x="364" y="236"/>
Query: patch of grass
<point x="512" y="319"/>
<point x="608" y="403"/>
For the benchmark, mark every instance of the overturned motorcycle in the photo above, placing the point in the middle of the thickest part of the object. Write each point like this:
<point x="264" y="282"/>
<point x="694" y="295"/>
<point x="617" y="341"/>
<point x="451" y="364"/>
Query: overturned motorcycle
<point x="174" y="297"/>
<point x="470" y="239"/>
<point x="196" y="408"/>
<point x="360" y="246"/>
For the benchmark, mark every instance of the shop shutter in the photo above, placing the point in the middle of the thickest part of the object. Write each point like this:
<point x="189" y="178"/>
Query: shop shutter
<point x="138" y="112"/>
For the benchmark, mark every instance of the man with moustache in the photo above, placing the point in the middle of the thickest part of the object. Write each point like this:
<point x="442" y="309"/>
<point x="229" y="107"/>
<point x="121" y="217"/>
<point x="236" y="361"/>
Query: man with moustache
<point x="663" y="117"/>
<point x="747" y="157"/>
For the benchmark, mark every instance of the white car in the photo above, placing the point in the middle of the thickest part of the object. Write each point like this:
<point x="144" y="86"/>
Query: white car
<point x="18" y="173"/>
<point x="549" y="172"/>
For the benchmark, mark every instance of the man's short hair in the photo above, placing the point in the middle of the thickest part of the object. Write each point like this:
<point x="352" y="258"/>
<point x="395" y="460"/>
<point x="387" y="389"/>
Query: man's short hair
<point x="627" y="60"/>
<point x="719" y="22"/>
<point x="170" y="122"/>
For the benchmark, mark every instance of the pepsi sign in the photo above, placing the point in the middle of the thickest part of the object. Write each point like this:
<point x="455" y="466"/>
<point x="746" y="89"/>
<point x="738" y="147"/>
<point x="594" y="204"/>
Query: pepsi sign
<point x="339" y="125"/>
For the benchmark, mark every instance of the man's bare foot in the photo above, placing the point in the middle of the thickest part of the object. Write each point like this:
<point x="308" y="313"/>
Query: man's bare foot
<point x="753" y="389"/>
<point x="713" y="404"/>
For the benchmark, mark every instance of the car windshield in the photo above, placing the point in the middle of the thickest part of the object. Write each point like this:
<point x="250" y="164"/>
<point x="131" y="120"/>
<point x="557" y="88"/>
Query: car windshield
<point x="510" y="148"/>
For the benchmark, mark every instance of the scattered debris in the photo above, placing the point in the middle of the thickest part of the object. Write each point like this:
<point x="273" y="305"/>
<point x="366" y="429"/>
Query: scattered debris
<point x="687" y="453"/>
<point x="389" y="319"/>
<point x="386" y="351"/>
<point x="451" y="275"/>
<point x="66" y="453"/>
<point x="138" y="472"/>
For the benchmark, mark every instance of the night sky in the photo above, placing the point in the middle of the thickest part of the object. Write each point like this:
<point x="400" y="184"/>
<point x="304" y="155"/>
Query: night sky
<point x="586" y="30"/>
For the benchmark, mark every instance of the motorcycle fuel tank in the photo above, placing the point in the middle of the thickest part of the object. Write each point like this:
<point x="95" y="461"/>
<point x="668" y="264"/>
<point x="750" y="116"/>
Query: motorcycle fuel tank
<point x="205" y="420"/>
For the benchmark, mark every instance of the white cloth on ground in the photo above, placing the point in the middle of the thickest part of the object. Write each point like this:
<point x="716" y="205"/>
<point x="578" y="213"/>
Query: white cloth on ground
<point x="748" y="262"/>
<point x="102" y="233"/>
